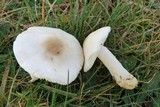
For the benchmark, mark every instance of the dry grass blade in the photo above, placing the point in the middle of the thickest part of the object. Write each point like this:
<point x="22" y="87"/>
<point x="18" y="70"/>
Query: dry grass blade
<point x="5" y="77"/>
<point x="43" y="12"/>
<point x="10" y="91"/>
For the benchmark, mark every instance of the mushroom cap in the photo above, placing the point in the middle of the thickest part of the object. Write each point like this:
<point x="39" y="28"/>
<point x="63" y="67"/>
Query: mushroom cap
<point x="49" y="53"/>
<point x="92" y="46"/>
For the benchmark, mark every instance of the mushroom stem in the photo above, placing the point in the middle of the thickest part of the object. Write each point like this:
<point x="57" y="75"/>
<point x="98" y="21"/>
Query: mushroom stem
<point x="122" y="77"/>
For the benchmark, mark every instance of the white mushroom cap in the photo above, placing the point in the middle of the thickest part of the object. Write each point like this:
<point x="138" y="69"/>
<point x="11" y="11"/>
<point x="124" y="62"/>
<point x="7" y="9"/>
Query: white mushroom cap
<point x="49" y="53"/>
<point x="93" y="48"/>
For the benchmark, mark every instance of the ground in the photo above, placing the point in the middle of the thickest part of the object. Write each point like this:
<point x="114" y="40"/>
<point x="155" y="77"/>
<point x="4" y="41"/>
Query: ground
<point x="134" y="40"/>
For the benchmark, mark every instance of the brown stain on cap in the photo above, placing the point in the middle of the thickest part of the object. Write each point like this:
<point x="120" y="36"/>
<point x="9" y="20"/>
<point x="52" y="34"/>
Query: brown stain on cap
<point x="54" y="46"/>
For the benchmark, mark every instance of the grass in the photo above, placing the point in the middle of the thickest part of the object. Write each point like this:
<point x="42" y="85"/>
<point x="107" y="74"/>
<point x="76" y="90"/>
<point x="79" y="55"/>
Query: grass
<point x="134" y="40"/>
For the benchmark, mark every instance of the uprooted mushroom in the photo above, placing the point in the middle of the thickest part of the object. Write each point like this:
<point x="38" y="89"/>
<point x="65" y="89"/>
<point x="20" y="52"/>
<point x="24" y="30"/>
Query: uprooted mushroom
<point x="93" y="48"/>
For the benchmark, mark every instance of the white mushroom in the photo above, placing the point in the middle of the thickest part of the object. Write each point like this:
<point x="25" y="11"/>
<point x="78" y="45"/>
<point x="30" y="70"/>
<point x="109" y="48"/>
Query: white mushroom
<point x="49" y="53"/>
<point x="93" y="48"/>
